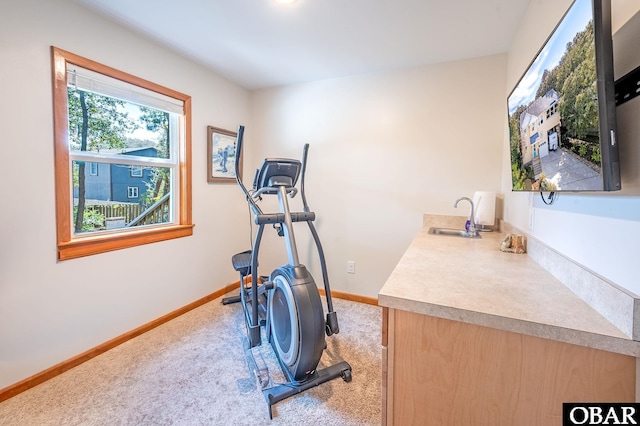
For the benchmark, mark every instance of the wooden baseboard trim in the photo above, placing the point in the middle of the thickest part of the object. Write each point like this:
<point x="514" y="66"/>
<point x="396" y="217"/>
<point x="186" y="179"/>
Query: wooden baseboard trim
<point x="352" y="297"/>
<point x="60" y="368"/>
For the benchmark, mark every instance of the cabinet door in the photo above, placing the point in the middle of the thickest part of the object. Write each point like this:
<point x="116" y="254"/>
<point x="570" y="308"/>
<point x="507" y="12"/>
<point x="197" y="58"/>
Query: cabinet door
<point x="444" y="372"/>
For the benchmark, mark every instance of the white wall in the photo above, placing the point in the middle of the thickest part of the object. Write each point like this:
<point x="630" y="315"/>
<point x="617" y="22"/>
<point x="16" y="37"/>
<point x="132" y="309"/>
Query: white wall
<point x="51" y="311"/>
<point x="597" y="230"/>
<point x="384" y="150"/>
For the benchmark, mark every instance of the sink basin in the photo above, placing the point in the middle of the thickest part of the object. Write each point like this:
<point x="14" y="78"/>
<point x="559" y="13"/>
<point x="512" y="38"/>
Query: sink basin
<point x="452" y="232"/>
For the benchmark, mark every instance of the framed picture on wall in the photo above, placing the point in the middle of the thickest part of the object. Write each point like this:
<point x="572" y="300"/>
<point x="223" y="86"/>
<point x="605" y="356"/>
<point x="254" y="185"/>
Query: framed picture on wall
<point x="221" y="155"/>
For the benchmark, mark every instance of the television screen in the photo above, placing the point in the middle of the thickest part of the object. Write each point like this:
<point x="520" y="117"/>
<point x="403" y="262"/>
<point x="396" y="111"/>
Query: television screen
<point x="562" y="111"/>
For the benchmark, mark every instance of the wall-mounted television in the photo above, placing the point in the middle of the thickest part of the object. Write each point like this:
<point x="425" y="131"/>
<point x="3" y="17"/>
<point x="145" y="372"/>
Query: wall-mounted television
<point x="562" y="117"/>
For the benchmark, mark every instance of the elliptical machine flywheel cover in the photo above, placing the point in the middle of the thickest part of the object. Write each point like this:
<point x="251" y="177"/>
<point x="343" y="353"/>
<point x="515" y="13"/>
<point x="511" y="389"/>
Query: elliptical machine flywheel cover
<point x="296" y="318"/>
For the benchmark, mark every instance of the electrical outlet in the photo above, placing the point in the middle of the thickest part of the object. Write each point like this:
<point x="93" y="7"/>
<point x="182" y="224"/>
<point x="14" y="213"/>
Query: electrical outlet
<point x="351" y="267"/>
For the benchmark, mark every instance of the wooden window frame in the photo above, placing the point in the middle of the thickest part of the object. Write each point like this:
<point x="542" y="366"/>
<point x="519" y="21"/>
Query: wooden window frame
<point x="70" y="246"/>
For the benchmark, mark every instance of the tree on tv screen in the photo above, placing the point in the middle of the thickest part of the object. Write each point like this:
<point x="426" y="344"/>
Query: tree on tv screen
<point x="574" y="78"/>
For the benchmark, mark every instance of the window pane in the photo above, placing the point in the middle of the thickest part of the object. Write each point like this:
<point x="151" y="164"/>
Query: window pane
<point x="101" y="83"/>
<point x="108" y="125"/>
<point x="115" y="199"/>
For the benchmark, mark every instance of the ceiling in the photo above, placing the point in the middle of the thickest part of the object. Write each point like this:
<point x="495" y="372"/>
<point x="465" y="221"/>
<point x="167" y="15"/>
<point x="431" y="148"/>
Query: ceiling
<point x="261" y="43"/>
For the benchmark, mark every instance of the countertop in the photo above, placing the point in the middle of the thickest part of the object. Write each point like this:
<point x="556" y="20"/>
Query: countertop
<point x="472" y="281"/>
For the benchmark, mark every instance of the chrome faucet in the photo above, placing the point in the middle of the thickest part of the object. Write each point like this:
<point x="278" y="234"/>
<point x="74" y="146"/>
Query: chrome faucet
<point x="472" y="221"/>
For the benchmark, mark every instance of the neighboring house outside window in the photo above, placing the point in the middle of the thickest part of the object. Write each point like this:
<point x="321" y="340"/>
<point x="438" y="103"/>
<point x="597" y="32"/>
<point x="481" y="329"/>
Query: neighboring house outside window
<point x="118" y="168"/>
<point x="113" y="180"/>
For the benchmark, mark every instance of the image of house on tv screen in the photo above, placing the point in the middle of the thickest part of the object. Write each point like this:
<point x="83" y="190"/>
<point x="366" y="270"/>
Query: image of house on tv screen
<point x="553" y="112"/>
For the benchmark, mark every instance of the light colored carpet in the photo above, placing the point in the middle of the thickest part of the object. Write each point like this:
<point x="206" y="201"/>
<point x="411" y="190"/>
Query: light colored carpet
<point x="193" y="371"/>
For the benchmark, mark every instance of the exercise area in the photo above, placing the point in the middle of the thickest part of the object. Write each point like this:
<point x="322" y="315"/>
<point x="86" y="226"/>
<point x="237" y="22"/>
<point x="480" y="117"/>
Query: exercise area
<point x="284" y="308"/>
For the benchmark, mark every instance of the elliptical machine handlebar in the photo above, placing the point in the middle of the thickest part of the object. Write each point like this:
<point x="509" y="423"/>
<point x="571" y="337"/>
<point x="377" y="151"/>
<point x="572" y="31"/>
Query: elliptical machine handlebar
<point x="291" y="191"/>
<point x="331" y="324"/>
<point x="256" y="209"/>
<point x="305" y="152"/>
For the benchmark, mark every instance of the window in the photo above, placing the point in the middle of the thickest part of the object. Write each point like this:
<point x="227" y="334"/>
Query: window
<point x="136" y="171"/>
<point x="130" y="130"/>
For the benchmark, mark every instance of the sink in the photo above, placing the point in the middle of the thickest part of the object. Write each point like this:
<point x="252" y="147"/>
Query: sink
<point x="452" y="232"/>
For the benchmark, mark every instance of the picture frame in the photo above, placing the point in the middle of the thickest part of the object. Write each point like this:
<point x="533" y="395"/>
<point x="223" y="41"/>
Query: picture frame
<point x="221" y="155"/>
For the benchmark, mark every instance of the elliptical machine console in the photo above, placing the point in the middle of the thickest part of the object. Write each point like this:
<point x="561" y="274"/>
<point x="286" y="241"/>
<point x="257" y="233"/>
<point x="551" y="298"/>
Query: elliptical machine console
<point x="276" y="172"/>
<point x="287" y="303"/>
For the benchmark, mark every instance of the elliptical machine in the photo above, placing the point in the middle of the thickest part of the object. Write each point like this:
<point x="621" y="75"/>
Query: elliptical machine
<point x="287" y="302"/>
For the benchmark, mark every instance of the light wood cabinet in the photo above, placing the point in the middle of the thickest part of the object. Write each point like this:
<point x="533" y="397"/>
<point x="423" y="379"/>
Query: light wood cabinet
<point x="443" y="372"/>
